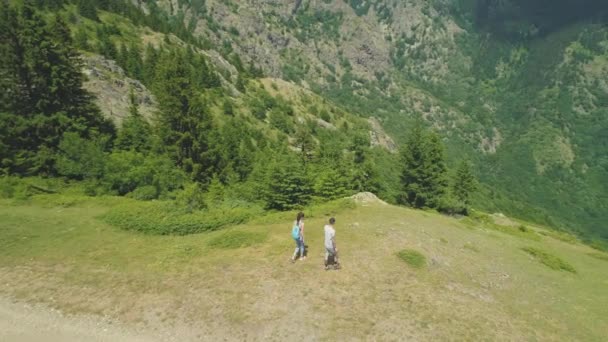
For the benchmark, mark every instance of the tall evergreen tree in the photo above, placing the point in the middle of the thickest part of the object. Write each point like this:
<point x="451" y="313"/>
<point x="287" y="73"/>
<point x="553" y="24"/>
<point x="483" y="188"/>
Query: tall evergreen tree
<point x="135" y="131"/>
<point x="44" y="88"/>
<point x="184" y="118"/>
<point x="464" y="183"/>
<point x="86" y="8"/>
<point x="305" y="143"/>
<point x="149" y="65"/>
<point x="423" y="176"/>
<point x="134" y="62"/>
<point x="437" y="181"/>
<point x="289" y="186"/>
<point x="331" y="184"/>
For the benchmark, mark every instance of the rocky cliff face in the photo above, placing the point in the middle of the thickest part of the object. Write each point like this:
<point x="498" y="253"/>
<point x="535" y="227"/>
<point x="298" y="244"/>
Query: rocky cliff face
<point x="112" y="88"/>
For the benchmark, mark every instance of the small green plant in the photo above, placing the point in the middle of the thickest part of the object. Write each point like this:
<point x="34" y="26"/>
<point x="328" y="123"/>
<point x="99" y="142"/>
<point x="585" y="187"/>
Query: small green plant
<point x="166" y="218"/>
<point x="471" y="247"/>
<point x="237" y="239"/>
<point x="523" y="228"/>
<point x="549" y="260"/>
<point x="412" y="258"/>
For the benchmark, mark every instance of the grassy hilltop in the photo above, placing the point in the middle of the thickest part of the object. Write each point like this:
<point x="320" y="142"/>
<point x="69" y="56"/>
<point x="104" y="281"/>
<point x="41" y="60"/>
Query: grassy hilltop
<point x="486" y="277"/>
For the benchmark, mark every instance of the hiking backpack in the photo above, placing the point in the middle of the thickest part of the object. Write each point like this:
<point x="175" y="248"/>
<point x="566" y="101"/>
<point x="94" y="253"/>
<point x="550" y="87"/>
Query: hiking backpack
<point x="295" y="231"/>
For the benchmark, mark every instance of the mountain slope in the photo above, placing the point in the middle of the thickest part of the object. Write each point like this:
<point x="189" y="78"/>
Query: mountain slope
<point x="516" y="86"/>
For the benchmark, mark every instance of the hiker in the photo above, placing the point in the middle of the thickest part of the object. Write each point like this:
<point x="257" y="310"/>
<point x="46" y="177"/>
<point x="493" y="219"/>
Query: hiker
<point x="331" y="250"/>
<point x="297" y="233"/>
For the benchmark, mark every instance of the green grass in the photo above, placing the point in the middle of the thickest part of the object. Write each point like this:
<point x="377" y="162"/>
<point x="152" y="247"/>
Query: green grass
<point x="239" y="280"/>
<point x="237" y="239"/>
<point x="561" y="236"/>
<point x="549" y="260"/>
<point x="412" y="258"/>
<point x="599" y="256"/>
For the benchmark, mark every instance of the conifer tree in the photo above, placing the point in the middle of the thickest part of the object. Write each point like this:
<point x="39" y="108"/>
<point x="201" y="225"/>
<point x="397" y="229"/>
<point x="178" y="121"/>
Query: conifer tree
<point x="289" y="186"/>
<point x="121" y="57"/>
<point x="331" y="184"/>
<point x="423" y="176"/>
<point x="305" y="143"/>
<point x="86" y="8"/>
<point x="81" y="40"/>
<point x="464" y="183"/>
<point x="184" y="118"/>
<point x="149" y="65"/>
<point x="135" y="132"/>
<point x="44" y="88"/>
<point x="134" y="63"/>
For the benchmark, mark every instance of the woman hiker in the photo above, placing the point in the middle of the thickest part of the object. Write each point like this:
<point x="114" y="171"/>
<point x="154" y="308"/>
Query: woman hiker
<point x="297" y="233"/>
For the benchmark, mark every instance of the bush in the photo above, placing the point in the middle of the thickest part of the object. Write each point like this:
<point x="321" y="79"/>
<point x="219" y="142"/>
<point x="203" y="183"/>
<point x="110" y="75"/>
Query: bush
<point x="14" y="188"/>
<point x="81" y="158"/>
<point x="412" y="258"/>
<point x="549" y="260"/>
<point x="191" y="198"/>
<point x="129" y="170"/>
<point x="164" y="218"/>
<point x="451" y="206"/>
<point x="145" y="193"/>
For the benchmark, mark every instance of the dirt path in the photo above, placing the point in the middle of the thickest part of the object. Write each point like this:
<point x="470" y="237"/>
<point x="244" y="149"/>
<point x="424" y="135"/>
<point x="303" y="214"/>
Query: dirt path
<point x="31" y="323"/>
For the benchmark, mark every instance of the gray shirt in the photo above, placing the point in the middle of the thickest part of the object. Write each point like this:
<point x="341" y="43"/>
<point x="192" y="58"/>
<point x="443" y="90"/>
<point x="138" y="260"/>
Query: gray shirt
<point x="330" y="235"/>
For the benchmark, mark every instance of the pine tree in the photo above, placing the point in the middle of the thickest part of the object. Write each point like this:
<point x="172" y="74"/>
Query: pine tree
<point x="45" y="94"/>
<point x="305" y="143"/>
<point x="423" y="176"/>
<point x="86" y="8"/>
<point x="185" y="120"/>
<point x="135" y="132"/>
<point x="436" y="182"/>
<point x="464" y="183"/>
<point x="331" y="184"/>
<point x="289" y="187"/>
<point x="149" y="65"/>
<point x="134" y="63"/>
<point x="81" y="40"/>
<point x="121" y="57"/>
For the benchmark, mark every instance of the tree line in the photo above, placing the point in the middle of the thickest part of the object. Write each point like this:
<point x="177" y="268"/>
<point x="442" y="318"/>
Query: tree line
<point x="50" y="126"/>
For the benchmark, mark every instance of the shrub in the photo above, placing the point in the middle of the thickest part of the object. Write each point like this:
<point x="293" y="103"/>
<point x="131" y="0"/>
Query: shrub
<point x="549" y="260"/>
<point x="451" y="206"/>
<point x="164" y="218"/>
<point x="412" y="258"/>
<point x="128" y="170"/>
<point x="191" y="198"/>
<point x="14" y="188"/>
<point x="81" y="158"/>
<point x="145" y="193"/>
<point x="237" y="239"/>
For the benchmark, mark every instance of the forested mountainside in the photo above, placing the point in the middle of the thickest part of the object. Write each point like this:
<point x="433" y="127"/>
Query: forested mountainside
<point x="517" y="87"/>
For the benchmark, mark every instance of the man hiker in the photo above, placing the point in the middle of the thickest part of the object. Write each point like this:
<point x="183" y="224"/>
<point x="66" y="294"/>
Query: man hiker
<point x="331" y="250"/>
